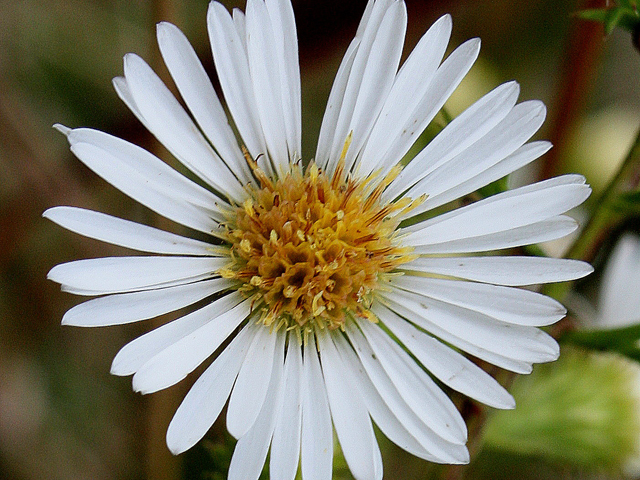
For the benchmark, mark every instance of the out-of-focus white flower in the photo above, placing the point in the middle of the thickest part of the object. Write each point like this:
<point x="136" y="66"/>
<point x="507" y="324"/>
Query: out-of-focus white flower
<point x="323" y="277"/>
<point x="619" y="297"/>
<point x="619" y="306"/>
<point x="585" y="409"/>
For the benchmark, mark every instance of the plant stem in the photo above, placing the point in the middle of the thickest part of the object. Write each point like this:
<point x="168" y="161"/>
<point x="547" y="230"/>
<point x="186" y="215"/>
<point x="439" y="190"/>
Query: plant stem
<point x="584" y="47"/>
<point x="626" y="180"/>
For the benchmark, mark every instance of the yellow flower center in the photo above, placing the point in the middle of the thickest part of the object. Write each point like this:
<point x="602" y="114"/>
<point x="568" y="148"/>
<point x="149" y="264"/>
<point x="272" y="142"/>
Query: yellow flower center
<point x="311" y="249"/>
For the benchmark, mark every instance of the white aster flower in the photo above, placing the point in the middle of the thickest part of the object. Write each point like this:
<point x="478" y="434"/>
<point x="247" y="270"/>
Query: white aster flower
<point x="619" y="307"/>
<point x="336" y="298"/>
<point x="619" y="297"/>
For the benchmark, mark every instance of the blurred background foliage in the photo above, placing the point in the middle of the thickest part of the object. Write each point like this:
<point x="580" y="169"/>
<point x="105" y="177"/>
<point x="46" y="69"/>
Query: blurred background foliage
<point x="62" y="416"/>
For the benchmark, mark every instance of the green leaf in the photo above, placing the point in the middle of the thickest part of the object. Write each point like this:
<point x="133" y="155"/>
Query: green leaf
<point x="621" y="340"/>
<point x="581" y="410"/>
<point x="593" y="14"/>
<point x="624" y="15"/>
<point x="632" y="4"/>
<point x="628" y="203"/>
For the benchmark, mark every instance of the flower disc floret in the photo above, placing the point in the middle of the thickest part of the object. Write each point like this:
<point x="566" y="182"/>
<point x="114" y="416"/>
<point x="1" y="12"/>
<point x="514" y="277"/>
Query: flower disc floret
<point x="311" y="249"/>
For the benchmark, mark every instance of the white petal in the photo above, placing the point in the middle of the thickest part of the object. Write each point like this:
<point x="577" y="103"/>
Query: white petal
<point x="141" y="188"/>
<point x="334" y="105"/>
<point x="151" y="168"/>
<point x="266" y="81"/>
<point x="366" y="20"/>
<point x="514" y="271"/>
<point x="426" y="399"/>
<point x="411" y="83"/>
<point x="122" y="89"/>
<point x="179" y="359"/>
<point x="504" y="139"/>
<point x="349" y="414"/>
<point x="499" y="213"/>
<point x="251" y="386"/>
<point x="525" y="344"/>
<point x="139" y="351"/>
<point x="204" y="402"/>
<point x="121" y="274"/>
<point x="447" y="365"/>
<point x="418" y="428"/>
<point x="232" y="67"/>
<point x="198" y="93"/>
<point x="285" y="445"/>
<point x="240" y="22"/>
<point x="444" y="82"/>
<point x="251" y="450"/>
<point x="286" y="43"/>
<point x="556" y="227"/>
<point x="316" y="453"/>
<point x="619" y="299"/>
<point x="131" y="307"/>
<point x="521" y="157"/>
<point x="508" y="304"/>
<point x="381" y="414"/>
<point x="457" y="136"/>
<point x="171" y="125"/>
<point x="368" y="34"/>
<point x="126" y="233"/>
<point x="376" y="79"/>
<point x="408" y="312"/>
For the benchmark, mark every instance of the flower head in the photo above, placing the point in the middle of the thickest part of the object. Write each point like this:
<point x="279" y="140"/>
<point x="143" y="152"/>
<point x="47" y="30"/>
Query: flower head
<point x="619" y="298"/>
<point x="323" y="274"/>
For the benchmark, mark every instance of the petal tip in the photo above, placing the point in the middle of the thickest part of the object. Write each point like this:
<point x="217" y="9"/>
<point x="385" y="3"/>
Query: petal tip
<point x="119" y="82"/>
<point x="174" y="445"/>
<point x="53" y="274"/>
<point x="129" y="59"/>
<point x="507" y="403"/>
<point x="165" y="30"/>
<point x="135" y="385"/>
<point x="48" y="212"/>
<point x="173" y="439"/>
<point x="460" y="457"/>
<point x="475" y="44"/>
<point x="540" y="108"/>
<point x="117" y="368"/>
<point x="62" y="129"/>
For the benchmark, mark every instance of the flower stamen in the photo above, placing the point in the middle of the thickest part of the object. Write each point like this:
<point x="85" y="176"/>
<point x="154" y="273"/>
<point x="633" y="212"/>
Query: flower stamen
<point x="313" y="248"/>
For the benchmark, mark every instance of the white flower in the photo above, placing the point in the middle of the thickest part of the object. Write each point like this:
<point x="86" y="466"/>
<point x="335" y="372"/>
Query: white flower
<point x="309" y="270"/>
<point x="619" y="307"/>
<point x="619" y="297"/>
<point x="618" y="303"/>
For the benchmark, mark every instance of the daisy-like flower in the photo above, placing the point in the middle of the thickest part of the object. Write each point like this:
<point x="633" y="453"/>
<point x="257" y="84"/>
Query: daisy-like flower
<point x="619" y="298"/>
<point x="339" y="300"/>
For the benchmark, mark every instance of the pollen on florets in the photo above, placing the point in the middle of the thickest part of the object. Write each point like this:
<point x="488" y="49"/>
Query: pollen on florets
<point x="311" y="248"/>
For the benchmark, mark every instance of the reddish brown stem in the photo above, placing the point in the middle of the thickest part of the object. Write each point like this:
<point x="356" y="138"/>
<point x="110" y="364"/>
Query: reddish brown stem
<point x="580" y="64"/>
